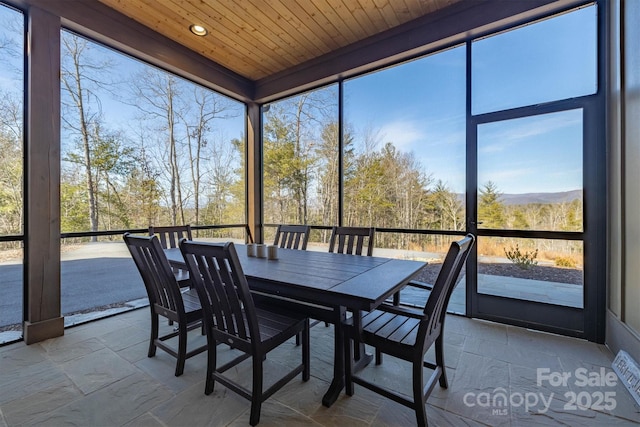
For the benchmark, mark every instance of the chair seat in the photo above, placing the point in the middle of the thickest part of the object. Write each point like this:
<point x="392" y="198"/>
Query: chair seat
<point x="274" y="324"/>
<point x="191" y="303"/>
<point x="395" y="334"/>
<point x="182" y="277"/>
<point x="192" y="311"/>
<point x="384" y="326"/>
<point x="388" y="327"/>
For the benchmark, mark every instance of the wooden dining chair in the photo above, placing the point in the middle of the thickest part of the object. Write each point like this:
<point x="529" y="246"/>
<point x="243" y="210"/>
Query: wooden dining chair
<point x="166" y="298"/>
<point x="231" y="317"/>
<point x="292" y="236"/>
<point x="352" y="240"/>
<point x="407" y="334"/>
<point x="169" y="237"/>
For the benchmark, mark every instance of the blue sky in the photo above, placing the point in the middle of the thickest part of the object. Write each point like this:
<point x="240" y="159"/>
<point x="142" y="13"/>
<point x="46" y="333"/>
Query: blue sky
<point x="533" y="154"/>
<point x="420" y="106"/>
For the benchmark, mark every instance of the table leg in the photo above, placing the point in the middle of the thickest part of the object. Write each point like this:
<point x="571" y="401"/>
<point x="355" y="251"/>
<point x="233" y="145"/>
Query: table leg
<point x="360" y="356"/>
<point x="337" y="384"/>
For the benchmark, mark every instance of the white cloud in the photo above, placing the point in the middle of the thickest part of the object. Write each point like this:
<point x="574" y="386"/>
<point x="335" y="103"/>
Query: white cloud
<point x="504" y="135"/>
<point x="402" y="133"/>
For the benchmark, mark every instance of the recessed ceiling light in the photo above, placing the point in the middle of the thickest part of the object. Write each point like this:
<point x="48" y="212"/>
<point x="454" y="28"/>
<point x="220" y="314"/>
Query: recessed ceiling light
<point x="198" y="30"/>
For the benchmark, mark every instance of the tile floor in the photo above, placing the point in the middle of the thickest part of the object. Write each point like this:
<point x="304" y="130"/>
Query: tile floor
<point x="98" y="374"/>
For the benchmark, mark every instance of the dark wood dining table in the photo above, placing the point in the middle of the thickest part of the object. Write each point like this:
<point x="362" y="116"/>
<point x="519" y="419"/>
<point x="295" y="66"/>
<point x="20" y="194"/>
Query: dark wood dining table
<point x="328" y="284"/>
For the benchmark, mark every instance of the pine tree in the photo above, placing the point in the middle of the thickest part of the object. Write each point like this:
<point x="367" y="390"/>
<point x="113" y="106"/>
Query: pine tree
<point x="490" y="207"/>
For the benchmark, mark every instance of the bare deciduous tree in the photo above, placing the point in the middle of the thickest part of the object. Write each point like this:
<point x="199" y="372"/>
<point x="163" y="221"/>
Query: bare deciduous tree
<point x="157" y="94"/>
<point x="82" y="73"/>
<point x="198" y="120"/>
<point x="11" y="169"/>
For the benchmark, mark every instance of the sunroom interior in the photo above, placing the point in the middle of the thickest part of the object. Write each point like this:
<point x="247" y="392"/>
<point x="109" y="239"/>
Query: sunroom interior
<point x="439" y="103"/>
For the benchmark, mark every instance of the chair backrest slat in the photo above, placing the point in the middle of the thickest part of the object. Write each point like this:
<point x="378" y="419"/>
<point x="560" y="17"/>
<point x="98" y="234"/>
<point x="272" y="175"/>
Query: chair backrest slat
<point x="170" y="236"/>
<point x="352" y="240"/>
<point x="292" y="236"/>
<point x="161" y="285"/>
<point x="232" y="310"/>
<point x="223" y="290"/>
<point x="220" y="304"/>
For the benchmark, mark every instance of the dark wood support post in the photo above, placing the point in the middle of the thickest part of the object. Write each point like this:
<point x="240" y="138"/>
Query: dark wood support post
<point x="254" y="172"/>
<point x="43" y="318"/>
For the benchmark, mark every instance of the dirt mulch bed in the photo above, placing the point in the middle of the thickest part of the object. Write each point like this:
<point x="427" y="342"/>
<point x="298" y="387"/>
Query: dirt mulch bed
<point x="546" y="273"/>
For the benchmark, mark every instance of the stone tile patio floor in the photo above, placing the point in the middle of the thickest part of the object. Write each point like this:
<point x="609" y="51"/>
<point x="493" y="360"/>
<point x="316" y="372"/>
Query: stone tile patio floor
<point x="98" y="374"/>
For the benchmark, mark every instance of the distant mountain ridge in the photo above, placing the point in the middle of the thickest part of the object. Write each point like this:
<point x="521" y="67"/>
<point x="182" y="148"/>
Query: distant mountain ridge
<point x="542" y="198"/>
<point x="545" y="198"/>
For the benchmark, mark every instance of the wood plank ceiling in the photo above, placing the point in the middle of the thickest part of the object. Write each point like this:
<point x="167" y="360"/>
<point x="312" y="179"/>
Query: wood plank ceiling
<point x="258" y="38"/>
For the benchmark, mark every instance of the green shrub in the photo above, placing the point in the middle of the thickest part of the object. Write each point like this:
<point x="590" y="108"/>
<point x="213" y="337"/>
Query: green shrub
<point x="525" y="260"/>
<point x="565" y="262"/>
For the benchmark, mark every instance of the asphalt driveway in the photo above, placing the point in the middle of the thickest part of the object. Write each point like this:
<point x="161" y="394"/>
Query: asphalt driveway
<point x="93" y="275"/>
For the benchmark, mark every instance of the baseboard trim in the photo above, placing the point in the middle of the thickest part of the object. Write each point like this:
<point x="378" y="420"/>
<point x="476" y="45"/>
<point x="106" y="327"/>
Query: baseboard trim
<point x="40" y="331"/>
<point x="619" y="336"/>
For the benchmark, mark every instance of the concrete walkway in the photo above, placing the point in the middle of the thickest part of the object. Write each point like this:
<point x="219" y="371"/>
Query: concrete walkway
<point x="532" y="290"/>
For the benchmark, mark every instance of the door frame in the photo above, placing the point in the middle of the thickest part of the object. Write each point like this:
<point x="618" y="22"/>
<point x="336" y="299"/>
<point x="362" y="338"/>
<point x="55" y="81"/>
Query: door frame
<point x="588" y="322"/>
